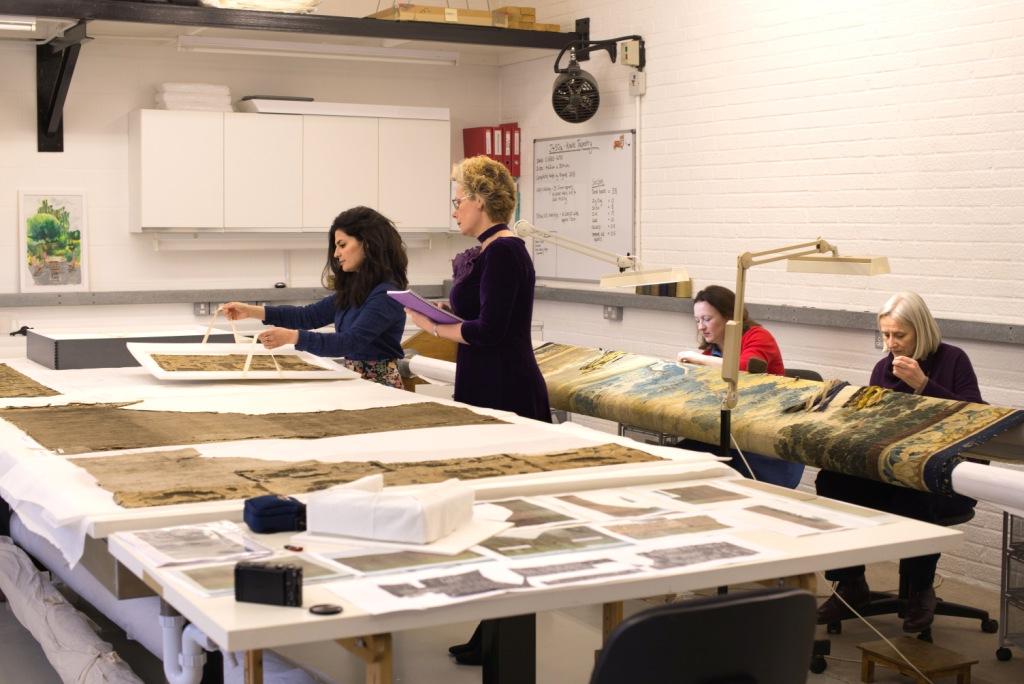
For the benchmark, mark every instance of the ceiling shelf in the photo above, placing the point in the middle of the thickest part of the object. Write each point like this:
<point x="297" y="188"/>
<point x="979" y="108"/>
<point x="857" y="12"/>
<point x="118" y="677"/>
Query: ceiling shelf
<point x="56" y="59"/>
<point x="188" y="15"/>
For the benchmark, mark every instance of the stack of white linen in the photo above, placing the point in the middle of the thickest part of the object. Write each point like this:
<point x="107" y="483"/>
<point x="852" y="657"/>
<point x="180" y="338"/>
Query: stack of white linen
<point x="205" y="97"/>
<point x="294" y="6"/>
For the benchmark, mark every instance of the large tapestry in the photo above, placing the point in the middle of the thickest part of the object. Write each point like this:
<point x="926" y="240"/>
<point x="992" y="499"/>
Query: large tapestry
<point x="184" y="476"/>
<point x="870" y="432"/>
<point x="83" y="428"/>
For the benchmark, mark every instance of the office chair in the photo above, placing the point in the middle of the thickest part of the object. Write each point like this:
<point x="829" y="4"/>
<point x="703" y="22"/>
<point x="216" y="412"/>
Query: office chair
<point x="803" y="374"/>
<point x="757" y="637"/>
<point x="886" y="603"/>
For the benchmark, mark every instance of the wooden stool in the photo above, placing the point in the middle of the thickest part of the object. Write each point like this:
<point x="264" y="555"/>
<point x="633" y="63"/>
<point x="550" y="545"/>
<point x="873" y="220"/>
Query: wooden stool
<point x="934" y="661"/>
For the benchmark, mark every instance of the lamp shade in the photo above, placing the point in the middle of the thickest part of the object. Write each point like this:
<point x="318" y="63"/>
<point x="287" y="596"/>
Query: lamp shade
<point x="847" y="265"/>
<point x="653" y="277"/>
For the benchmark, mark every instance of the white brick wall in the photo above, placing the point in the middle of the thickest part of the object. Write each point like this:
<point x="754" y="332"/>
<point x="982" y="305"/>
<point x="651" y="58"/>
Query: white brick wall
<point x="886" y="127"/>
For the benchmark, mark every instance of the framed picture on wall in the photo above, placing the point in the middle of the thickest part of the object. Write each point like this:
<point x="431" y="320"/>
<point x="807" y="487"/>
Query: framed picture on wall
<point x="52" y="240"/>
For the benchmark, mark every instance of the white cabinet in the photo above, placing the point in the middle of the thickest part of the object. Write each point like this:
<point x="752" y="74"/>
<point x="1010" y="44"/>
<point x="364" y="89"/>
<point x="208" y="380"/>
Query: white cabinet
<point x="177" y="178"/>
<point x="262" y="171"/>
<point x="415" y="163"/>
<point x="339" y="167"/>
<point x="228" y="171"/>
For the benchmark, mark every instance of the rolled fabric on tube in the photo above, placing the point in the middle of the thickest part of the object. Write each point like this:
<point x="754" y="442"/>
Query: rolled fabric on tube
<point x="434" y="371"/>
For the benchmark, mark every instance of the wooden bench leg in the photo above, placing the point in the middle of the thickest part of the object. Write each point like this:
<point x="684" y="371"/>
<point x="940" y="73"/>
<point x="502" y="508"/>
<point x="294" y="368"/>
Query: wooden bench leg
<point x="964" y="676"/>
<point x="254" y="667"/>
<point x="375" y="651"/>
<point x="867" y="669"/>
<point x="612" y="618"/>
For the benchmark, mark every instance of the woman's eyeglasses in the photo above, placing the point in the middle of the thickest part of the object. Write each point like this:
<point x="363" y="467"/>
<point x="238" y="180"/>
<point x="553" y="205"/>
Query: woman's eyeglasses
<point x="456" y="202"/>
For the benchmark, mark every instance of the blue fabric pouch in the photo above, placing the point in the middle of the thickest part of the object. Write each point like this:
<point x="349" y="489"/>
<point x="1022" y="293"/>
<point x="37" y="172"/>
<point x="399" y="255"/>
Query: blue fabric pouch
<point x="274" y="513"/>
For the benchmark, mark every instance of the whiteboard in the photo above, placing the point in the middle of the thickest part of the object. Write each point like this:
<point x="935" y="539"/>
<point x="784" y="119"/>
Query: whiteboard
<point x="583" y="189"/>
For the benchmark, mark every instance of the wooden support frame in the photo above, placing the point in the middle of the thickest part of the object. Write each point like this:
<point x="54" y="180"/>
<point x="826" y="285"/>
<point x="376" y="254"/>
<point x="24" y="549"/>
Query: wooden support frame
<point x="376" y="652"/>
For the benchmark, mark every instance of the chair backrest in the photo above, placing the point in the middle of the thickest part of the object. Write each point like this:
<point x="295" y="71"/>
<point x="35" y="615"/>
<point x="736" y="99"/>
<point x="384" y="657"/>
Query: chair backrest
<point x="803" y="374"/>
<point x="757" y="637"/>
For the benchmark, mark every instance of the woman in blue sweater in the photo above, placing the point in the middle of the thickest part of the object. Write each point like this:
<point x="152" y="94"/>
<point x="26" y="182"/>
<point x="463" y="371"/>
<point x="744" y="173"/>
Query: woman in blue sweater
<point x="365" y="259"/>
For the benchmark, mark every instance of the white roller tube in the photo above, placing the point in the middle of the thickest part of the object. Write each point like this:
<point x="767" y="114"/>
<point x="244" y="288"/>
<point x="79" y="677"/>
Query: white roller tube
<point x="65" y="635"/>
<point x="434" y="371"/>
<point x="1001" y="487"/>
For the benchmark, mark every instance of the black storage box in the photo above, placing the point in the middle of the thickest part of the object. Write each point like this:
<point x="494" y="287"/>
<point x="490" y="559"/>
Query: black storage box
<point x="66" y="352"/>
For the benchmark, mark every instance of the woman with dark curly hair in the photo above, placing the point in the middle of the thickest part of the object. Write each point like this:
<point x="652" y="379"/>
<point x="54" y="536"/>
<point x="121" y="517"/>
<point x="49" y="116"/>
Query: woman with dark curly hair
<point x="365" y="259"/>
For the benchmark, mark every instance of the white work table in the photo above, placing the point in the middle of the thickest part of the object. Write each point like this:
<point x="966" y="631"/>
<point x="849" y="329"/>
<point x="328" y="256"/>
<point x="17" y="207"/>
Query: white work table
<point x="252" y="627"/>
<point x="38" y="483"/>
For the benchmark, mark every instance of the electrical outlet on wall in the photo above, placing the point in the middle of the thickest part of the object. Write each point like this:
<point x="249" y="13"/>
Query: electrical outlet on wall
<point x="612" y="313"/>
<point x="637" y="83"/>
<point x="201" y="308"/>
<point x="878" y="340"/>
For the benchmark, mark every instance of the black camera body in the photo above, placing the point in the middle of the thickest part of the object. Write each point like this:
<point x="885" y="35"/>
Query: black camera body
<point x="276" y="584"/>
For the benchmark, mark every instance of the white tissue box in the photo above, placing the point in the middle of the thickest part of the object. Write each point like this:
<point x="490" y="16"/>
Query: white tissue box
<point x="365" y="510"/>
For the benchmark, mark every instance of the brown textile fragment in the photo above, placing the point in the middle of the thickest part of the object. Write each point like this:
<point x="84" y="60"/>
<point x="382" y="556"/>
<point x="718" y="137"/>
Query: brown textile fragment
<point x="84" y="428"/>
<point x="15" y="384"/>
<point x="157" y="478"/>
<point x="231" y="362"/>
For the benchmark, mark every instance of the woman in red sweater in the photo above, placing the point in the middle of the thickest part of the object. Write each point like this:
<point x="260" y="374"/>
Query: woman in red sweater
<point x="712" y="309"/>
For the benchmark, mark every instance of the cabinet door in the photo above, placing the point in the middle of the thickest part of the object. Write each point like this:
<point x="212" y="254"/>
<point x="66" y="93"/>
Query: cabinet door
<point x="339" y="167"/>
<point x="177" y="179"/>
<point x="262" y="171"/>
<point x="415" y="165"/>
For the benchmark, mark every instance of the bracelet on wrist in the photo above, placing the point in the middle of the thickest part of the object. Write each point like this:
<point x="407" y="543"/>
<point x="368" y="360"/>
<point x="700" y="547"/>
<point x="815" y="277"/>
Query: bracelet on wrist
<point x="435" y="330"/>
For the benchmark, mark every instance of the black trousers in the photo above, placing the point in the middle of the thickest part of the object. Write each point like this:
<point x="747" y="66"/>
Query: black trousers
<point x="918" y="572"/>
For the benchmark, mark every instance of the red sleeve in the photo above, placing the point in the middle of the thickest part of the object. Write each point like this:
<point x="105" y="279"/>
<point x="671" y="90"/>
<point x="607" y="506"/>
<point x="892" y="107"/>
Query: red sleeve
<point x="758" y="342"/>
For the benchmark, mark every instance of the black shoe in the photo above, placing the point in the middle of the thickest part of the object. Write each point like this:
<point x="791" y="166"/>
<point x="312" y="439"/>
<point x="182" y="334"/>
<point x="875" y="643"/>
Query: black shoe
<point x="920" y="610"/>
<point x="855" y="592"/>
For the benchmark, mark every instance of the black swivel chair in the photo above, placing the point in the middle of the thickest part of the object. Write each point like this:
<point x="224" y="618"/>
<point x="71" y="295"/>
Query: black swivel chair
<point x="885" y="603"/>
<point x="803" y="374"/>
<point x="757" y="637"/>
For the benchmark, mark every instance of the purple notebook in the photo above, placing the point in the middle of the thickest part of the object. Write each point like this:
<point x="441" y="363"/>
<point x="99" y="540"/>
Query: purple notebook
<point x="411" y="300"/>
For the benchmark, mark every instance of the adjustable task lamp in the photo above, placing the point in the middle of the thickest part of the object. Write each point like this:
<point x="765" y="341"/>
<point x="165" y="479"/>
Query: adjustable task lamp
<point x="804" y="257"/>
<point x="629" y="274"/>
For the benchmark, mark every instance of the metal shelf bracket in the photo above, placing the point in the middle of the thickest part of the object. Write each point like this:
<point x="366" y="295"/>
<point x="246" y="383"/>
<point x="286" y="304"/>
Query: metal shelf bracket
<point x="55" y="65"/>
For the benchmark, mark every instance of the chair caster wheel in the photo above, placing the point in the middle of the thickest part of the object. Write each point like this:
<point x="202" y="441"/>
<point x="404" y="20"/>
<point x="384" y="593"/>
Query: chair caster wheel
<point x="926" y="635"/>
<point x="819" y="664"/>
<point x="835" y="628"/>
<point x="990" y="626"/>
<point x="1002" y="653"/>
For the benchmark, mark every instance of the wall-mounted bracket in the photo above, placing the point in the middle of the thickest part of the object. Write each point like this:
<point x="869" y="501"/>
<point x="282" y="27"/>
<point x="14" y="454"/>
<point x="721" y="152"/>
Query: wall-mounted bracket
<point x="55" y="65"/>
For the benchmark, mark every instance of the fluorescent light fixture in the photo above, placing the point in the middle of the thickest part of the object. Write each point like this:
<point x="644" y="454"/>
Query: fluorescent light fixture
<point x="850" y="265"/>
<point x="281" y="48"/>
<point x="258" y="242"/>
<point x="13" y="23"/>
<point x="240" y="242"/>
<point x="630" y="274"/>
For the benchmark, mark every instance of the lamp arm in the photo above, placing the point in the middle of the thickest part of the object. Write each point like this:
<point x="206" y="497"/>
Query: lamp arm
<point x="524" y="228"/>
<point x="818" y="246"/>
<point x="734" y="328"/>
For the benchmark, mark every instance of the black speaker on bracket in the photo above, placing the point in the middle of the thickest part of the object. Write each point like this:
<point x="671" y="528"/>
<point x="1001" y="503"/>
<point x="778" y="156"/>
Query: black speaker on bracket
<point x="575" y="96"/>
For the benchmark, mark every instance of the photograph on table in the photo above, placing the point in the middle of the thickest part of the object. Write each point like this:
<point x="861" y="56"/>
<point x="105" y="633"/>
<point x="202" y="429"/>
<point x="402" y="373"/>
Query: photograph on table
<point x="52" y="241"/>
<point x="220" y="578"/>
